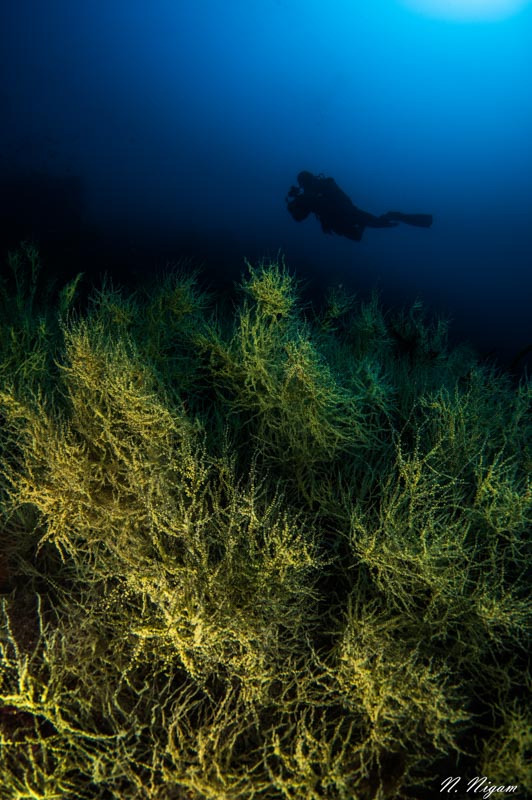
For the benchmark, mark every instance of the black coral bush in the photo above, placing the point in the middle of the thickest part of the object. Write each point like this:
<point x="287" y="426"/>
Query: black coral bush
<point x="265" y="554"/>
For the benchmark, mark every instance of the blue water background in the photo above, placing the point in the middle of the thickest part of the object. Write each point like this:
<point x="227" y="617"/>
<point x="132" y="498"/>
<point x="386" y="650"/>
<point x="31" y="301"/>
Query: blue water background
<point x="187" y="121"/>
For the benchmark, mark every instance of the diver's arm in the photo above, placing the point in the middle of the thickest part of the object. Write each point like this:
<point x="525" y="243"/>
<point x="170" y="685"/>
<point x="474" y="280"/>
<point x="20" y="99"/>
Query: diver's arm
<point x="294" y="191"/>
<point x="298" y="207"/>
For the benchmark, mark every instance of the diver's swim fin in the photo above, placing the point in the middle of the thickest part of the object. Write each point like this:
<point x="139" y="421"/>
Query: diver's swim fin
<point x="419" y="220"/>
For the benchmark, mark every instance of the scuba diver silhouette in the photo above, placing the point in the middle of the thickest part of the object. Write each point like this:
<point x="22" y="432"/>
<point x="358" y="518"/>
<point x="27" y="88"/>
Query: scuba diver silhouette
<point x="323" y="197"/>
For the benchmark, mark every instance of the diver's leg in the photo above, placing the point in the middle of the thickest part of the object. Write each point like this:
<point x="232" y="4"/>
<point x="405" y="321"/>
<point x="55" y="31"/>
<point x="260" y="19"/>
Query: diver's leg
<point x="419" y="220"/>
<point x="384" y="221"/>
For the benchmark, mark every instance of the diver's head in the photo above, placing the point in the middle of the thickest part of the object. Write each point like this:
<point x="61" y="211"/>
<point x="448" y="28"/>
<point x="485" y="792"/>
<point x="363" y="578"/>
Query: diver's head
<point x="307" y="180"/>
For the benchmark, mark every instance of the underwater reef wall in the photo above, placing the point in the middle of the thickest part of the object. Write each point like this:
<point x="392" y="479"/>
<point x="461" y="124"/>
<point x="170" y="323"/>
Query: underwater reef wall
<point x="265" y="552"/>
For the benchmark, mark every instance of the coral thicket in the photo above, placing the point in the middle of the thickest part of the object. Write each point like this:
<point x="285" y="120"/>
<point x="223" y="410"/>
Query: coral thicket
<point x="271" y="552"/>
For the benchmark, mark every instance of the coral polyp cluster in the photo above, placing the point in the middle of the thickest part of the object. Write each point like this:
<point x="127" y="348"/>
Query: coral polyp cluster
<point x="274" y="553"/>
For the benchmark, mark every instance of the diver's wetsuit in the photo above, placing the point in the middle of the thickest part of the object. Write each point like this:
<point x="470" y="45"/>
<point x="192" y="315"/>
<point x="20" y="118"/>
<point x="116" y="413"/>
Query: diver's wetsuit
<point x="323" y="197"/>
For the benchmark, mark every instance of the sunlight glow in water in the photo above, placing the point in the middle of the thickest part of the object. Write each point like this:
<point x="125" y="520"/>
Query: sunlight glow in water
<point x="468" y="10"/>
